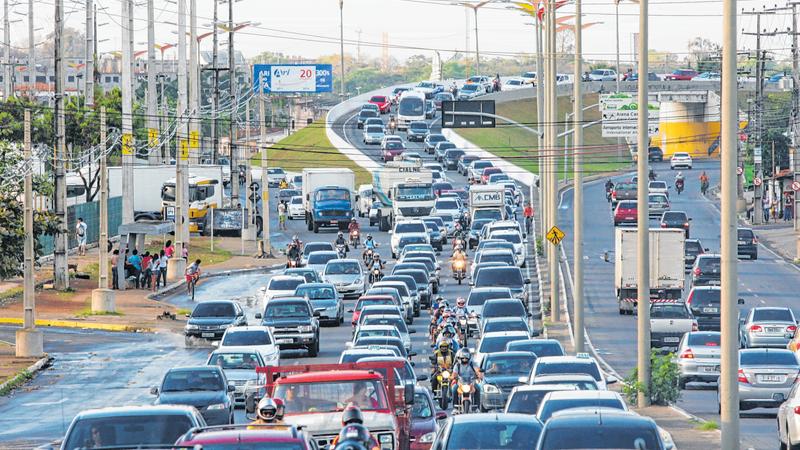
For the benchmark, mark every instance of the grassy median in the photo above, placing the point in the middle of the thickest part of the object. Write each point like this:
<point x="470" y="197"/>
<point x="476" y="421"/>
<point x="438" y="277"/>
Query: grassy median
<point x="309" y="147"/>
<point x="520" y="146"/>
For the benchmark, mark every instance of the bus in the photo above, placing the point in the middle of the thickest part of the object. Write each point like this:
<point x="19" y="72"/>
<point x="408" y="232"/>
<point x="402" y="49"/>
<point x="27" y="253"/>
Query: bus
<point x="410" y="109"/>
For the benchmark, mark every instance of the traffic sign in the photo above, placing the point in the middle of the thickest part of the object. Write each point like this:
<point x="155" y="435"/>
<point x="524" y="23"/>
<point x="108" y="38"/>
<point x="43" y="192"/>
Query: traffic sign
<point x="468" y="114"/>
<point x="292" y="78"/>
<point x="739" y="170"/>
<point x="757" y="181"/>
<point x="555" y="235"/>
<point x="796" y="186"/>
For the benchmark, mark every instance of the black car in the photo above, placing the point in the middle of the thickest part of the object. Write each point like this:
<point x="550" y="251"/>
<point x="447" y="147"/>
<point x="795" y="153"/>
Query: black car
<point x="423" y="283"/>
<point x="706" y="270"/>
<point x="294" y="323"/>
<point x="704" y="303"/>
<point x="500" y="431"/>
<point x="746" y="243"/>
<point x="450" y="159"/>
<point x="464" y="162"/>
<point x="364" y="115"/>
<point x="204" y="387"/>
<point x="417" y="131"/>
<point x="501" y="373"/>
<point x="441" y="148"/>
<point x="584" y="428"/>
<point x="509" y="277"/>
<point x="475" y="231"/>
<point x="436" y="234"/>
<point x="508" y="307"/>
<point x="431" y="140"/>
<point x="209" y="320"/>
<point x="676" y="219"/>
<point x="655" y="154"/>
<point x="691" y="249"/>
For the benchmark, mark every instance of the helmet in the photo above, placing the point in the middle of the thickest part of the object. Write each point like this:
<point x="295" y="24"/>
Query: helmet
<point x="350" y="444"/>
<point x="270" y="409"/>
<point x="458" y="226"/>
<point x="295" y="238"/>
<point x="464" y="355"/>
<point x="357" y="434"/>
<point x="352" y="415"/>
<point x="341" y="234"/>
<point x="444" y="345"/>
<point x="460" y="302"/>
<point x="369" y="236"/>
<point x="376" y="256"/>
<point x="459" y="247"/>
<point x="353" y="219"/>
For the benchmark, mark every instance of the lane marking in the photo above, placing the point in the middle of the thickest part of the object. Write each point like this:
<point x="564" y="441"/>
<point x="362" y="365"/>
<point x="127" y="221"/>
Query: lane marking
<point x="46" y="403"/>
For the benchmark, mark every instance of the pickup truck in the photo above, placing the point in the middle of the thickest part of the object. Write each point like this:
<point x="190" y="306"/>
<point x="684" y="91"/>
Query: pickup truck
<point x="623" y="191"/>
<point x="294" y="323"/>
<point x="315" y="396"/>
<point x="669" y="321"/>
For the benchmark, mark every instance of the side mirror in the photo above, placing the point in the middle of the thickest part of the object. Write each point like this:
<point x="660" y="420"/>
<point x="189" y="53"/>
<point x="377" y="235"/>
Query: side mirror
<point x="250" y="404"/>
<point x="258" y="316"/>
<point x="740" y="301"/>
<point x="422" y="378"/>
<point x="412" y="331"/>
<point x="154" y="390"/>
<point x="408" y="394"/>
<point x="391" y="232"/>
<point x="410" y="354"/>
<point x="231" y="388"/>
<point x="188" y="315"/>
<point x="350" y="310"/>
<point x="527" y="281"/>
<point x="611" y="379"/>
<point x="316" y="313"/>
<point x="441" y="415"/>
<point x="472" y="283"/>
<point x="215" y="343"/>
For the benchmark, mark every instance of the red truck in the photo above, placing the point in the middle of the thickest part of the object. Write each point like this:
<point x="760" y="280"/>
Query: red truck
<point x="316" y="394"/>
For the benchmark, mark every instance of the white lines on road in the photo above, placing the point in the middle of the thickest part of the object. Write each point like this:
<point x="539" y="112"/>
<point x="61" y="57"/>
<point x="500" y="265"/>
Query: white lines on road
<point x="46" y="403"/>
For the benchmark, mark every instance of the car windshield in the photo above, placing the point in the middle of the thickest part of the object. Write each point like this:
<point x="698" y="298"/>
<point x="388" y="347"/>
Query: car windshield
<point x="408" y="193"/>
<point x="675" y="216"/>
<point x="422" y="407"/>
<point x="381" y="332"/>
<point x="504" y="309"/>
<point x="513" y="238"/>
<point x="667" y="311"/>
<point x="443" y="146"/>
<point x="490" y="214"/>
<point x="235" y="361"/>
<point x="693" y="248"/>
<point x="499" y="276"/>
<point x="368" y="113"/>
<point x="378" y="99"/>
<point x="494" y="434"/>
<point x="453" y="154"/>
<point x="560" y="368"/>
<point x="540" y="348"/>
<point x="446" y="204"/>
<point x="210" y="309"/>
<point x="315" y="292"/>
<point x="777" y="315"/>
<point x="525" y="402"/>
<point x="321" y="258"/>
<point x="285" y="284"/>
<point x="396" y="322"/>
<point x="710" y="264"/>
<point x="478" y="298"/>
<point x="550" y="407"/>
<point x="374" y="129"/>
<point x="332" y="194"/>
<point x="280" y="310"/>
<point x="320" y="397"/>
<point x="470" y="87"/>
<point x="705" y="297"/>
<point x="767" y="358"/>
<point x="433" y="138"/>
<point x="493" y="344"/>
<point x="411" y="106"/>
<point x="744" y="234"/>
<point x="250" y="337"/>
<point x="505" y="325"/>
<point x="343" y="268"/>
<point x="477" y="225"/>
<point x="658" y="185"/>
<point x="503" y="257"/>
<point x="703" y="339"/>
<point x="410" y="227"/>
<point x="373" y="301"/>
<point x="421" y="126"/>
<point x="508" y="365"/>
<point x="192" y="380"/>
<point x="275" y="171"/>
<point x="618" y="438"/>
<point x="297" y="200"/>
<point x="129" y="430"/>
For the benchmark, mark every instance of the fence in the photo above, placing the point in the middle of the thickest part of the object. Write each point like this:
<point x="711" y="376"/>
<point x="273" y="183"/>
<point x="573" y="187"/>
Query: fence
<point x="91" y="215"/>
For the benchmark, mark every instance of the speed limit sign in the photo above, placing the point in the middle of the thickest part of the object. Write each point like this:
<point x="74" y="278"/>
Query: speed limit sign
<point x="757" y="181"/>
<point x="739" y="170"/>
<point x="796" y="186"/>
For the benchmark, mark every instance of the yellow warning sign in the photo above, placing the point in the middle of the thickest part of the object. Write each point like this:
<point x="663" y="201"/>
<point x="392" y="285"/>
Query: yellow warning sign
<point x="127" y="144"/>
<point x="184" y="150"/>
<point x="555" y="235"/>
<point x="152" y="137"/>
<point x="194" y="139"/>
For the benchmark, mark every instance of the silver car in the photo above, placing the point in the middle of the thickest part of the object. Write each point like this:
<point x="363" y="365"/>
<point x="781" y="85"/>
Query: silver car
<point x="767" y="327"/>
<point x="789" y="420"/>
<point x="657" y="204"/>
<point x="346" y="275"/>
<point x="698" y="357"/>
<point x="765" y="377"/>
<point x="373" y="134"/>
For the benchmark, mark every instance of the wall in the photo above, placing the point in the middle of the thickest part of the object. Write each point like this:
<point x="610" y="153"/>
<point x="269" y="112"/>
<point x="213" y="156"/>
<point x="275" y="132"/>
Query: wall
<point x="91" y="215"/>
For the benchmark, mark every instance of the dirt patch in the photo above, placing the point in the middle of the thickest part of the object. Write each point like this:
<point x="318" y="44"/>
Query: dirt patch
<point x="10" y="365"/>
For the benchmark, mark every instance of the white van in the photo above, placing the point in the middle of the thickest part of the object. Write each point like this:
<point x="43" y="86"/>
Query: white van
<point x="411" y="108"/>
<point x="364" y="199"/>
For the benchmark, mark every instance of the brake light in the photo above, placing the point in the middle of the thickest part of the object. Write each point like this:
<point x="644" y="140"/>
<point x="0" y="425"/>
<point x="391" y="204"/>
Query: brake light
<point x="797" y="409"/>
<point x="755" y="328"/>
<point x="614" y="195"/>
<point x="687" y="354"/>
<point x="686" y="225"/>
<point x="791" y="328"/>
<point x="697" y="272"/>
<point x="742" y="378"/>
<point x="694" y="326"/>
<point x="755" y="240"/>
<point x="663" y="225"/>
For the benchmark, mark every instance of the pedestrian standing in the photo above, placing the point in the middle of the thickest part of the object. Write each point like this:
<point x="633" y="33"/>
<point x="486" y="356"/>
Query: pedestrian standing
<point x="80" y="235"/>
<point x="282" y="215"/>
<point x="766" y="203"/>
<point x="146" y="270"/>
<point x="788" y="204"/>
<point x="185" y="252"/>
<point x="162" y="267"/>
<point x="114" y="275"/>
<point x="169" y="249"/>
<point x="155" y="271"/>
<point x="135" y="262"/>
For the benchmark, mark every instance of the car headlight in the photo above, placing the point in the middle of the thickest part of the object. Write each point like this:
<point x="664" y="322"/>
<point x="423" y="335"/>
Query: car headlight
<point x="306" y="329"/>
<point x="225" y="325"/>
<point x="359" y="281"/>
<point x="319" y="213"/>
<point x="490" y="389"/>
<point x="385" y="438"/>
<point x="217" y="406"/>
<point x="427" y="438"/>
<point x="192" y="327"/>
<point x="273" y="356"/>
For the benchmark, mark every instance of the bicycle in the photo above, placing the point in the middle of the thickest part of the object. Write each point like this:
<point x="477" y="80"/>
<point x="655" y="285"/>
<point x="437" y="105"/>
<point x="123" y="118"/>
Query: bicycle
<point x="192" y="285"/>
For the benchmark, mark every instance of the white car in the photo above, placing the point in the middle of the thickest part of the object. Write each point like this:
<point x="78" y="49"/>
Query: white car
<point x="275" y="175"/>
<point x="553" y="402"/>
<point x="447" y="205"/>
<point x="658" y="187"/>
<point x="515" y="238"/>
<point x="405" y="228"/>
<point x="318" y="260"/>
<point x="296" y="208"/>
<point x="580" y="363"/>
<point x="529" y="77"/>
<point x="257" y="338"/>
<point x="602" y="75"/>
<point x="512" y="84"/>
<point x="496" y="342"/>
<point x="680" y="160"/>
<point x="281" y="286"/>
<point x="373" y="134"/>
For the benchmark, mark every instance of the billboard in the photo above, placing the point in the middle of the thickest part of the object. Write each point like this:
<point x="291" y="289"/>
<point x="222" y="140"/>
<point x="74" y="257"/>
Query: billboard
<point x="292" y="78"/>
<point x="620" y="114"/>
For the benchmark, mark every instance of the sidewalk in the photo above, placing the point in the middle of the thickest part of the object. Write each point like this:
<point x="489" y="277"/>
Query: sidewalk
<point x="779" y="237"/>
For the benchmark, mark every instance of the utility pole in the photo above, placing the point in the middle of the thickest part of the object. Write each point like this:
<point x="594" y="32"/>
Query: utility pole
<point x="103" y="297"/>
<point x="642" y="222"/>
<point x="60" y="275"/>
<point x="7" y="70"/>
<point x="31" y="54"/>
<point x="29" y="340"/>
<point x="552" y="191"/>
<point x="177" y="265"/>
<point x="477" y="50"/>
<point x="127" y="123"/>
<point x="215" y="110"/>
<point x="152" y="119"/>
<point x="577" y="243"/>
<point x="540" y="118"/>
<point x="341" y="48"/>
<point x="194" y="87"/>
<point x="729" y="344"/>
<point x="250" y="232"/>
<point x="89" y="58"/>
<point x="266" y="246"/>
<point x="234" y="121"/>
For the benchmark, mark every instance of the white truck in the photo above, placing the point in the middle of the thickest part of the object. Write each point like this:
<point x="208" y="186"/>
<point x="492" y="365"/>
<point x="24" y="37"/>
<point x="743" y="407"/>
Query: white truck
<point x="486" y="200"/>
<point x="666" y="265"/>
<point x="405" y="189"/>
<point x="328" y="196"/>
<point x="205" y="192"/>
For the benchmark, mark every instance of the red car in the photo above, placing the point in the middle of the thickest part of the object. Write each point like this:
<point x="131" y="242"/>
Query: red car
<point x="384" y="105"/>
<point x="248" y="436"/>
<point x="681" y="75"/>
<point x="626" y="213"/>
<point x="392" y="150"/>
<point x="489" y="171"/>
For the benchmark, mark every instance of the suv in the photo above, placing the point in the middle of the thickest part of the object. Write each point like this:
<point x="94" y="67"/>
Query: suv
<point x="406" y="228"/>
<point x="704" y="303"/>
<point x="669" y="321"/>
<point x="706" y="270"/>
<point x="692" y="248"/>
<point x="746" y="243"/>
<point x="209" y="320"/>
<point x="248" y="436"/>
<point x="294" y="324"/>
<point x="204" y="387"/>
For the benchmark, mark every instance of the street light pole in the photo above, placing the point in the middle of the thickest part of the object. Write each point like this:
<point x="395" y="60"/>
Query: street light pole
<point x="341" y="48"/>
<point x="616" y="15"/>
<point x="577" y="243"/>
<point x="152" y="119"/>
<point x="234" y="155"/>
<point x="477" y="51"/>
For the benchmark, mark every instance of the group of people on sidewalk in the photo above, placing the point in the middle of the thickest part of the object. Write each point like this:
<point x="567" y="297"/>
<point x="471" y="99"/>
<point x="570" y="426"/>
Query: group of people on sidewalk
<point x="148" y="271"/>
<point x="775" y="209"/>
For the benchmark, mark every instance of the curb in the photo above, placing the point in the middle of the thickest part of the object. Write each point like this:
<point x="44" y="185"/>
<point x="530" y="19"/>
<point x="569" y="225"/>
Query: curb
<point x="78" y="324"/>
<point x="32" y="370"/>
<point x="223" y="273"/>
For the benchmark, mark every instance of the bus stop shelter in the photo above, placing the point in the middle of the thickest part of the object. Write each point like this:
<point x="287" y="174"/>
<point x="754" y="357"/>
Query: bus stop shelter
<point x="135" y="233"/>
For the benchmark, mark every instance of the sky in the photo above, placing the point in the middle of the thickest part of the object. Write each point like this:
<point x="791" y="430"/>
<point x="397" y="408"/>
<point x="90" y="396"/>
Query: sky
<point x="310" y="28"/>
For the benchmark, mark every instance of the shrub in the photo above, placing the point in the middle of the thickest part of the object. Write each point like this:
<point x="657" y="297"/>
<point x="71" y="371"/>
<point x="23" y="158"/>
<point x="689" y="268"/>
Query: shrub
<point x="663" y="388"/>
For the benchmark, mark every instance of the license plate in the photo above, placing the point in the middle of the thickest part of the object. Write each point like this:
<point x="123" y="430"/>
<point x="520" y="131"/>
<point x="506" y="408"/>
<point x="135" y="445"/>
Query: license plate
<point x="773" y="330"/>
<point x="334" y="222"/>
<point x="284" y="341"/>
<point x="714" y="282"/>
<point x="709" y="369"/>
<point x="672" y="339"/>
<point x="741" y="242"/>
<point x="207" y="335"/>
<point x="770" y="378"/>
<point x="711" y="310"/>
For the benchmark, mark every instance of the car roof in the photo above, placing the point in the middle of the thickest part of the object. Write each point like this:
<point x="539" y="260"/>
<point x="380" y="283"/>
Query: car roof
<point x="478" y="290"/>
<point x="330" y="375"/>
<point x="238" y="329"/>
<point x="234" y="349"/>
<point x="503" y="334"/>
<point x="567" y="377"/>
<point x="494" y="418"/>
<point x="141" y="410"/>
<point x="316" y="284"/>
<point x="592" y="417"/>
<point x="544" y="387"/>
<point x="587" y="395"/>
<point x="511" y="353"/>
<point x="287" y="300"/>
<point x="376" y="327"/>
<point x="323" y="252"/>
<point x="497" y="301"/>
<point x="241" y="434"/>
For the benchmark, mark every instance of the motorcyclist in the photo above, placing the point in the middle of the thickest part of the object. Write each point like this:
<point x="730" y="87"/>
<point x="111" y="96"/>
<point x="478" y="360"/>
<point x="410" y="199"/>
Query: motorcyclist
<point x="444" y="357"/>
<point x="448" y="335"/>
<point x="437" y="309"/>
<point x="464" y="220"/>
<point x="369" y="243"/>
<point x="353" y="225"/>
<point x="376" y="260"/>
<point x="340" y="240"/>
<point x="679" y="177"/>
<point x="652" y="175"/>
<point x="293" y="253"/>
<point x="497" y="84"/>
<point x="353" y="430"/>
<point x="297" y="242"/>
<point x="459" y="255"/>
<point x="609" y="185"/>
<point x="465" y="371"/>
<point x="269" y="411"/>
<point x="392" y="125"/>
<point x="461" y="307"/>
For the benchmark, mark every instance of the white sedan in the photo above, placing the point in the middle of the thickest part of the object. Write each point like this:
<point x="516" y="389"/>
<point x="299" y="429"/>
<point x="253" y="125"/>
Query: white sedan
<point x="680" y="160"/>
<point x="296" y="208"/>
<point x="513" y="84"/>
<point x="281" y="286"/>
<point x="256" y="338"/>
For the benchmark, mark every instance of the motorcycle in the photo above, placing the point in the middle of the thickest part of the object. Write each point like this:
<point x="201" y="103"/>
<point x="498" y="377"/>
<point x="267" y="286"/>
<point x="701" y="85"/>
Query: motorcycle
<point x="703" y="187"/>
<point x="341" y="249"/>
<point x="442" y="394"/>
<point x="462" y="329"/>
<point x="459" y="241"/>
<point x="465" y="393"/>
<point x="355" y="238"/>
<point x="292" y="263"/>
<point x="367" y="255"/>
<point x="392" y="125"/>
<point x="679" y="186"/>
<point x="375" y="275"/>
<point x="459" y="270"/>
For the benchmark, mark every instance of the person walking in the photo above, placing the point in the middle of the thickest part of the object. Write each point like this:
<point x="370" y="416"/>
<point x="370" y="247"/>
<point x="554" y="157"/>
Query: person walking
<point x="282" y="215"/>
<point x="766" y="204"/>
<point x="788" y="204"/>
<point x="80" y="234"/>
<point x="528" y="213"/>
<point x="114" y="273"/>
<point x="162" y="268"/>
<point x="155" y="271"/>
<point x="147" y="261"/>
<point x="169" y="249"/>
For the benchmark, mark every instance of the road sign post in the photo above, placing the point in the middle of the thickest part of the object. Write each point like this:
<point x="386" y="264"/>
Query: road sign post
<point x="555" y="235"/>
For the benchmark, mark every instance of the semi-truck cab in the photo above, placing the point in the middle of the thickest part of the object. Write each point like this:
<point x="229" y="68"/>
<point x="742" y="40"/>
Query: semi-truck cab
<point x="204" y="193"/>
<point x="315" y="396"/>
<point x="405" y="189"/>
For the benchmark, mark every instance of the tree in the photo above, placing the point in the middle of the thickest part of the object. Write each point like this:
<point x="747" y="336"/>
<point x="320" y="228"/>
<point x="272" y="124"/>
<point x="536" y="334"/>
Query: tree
<point x="704" y="54"/>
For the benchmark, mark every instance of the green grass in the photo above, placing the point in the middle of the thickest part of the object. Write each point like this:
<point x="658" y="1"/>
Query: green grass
<point x="520" y="146"/>
<point x="707" y="426"/>
<point x="182" y="312"/>
<point x="310" y="148"/>
<point x="11" y="294"/>
<point x="15" y="382"/>
<point x="86" y="312"/>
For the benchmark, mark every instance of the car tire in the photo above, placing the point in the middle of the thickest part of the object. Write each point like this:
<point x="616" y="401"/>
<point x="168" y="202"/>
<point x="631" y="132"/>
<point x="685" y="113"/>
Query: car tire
<point x="313" y="351"/>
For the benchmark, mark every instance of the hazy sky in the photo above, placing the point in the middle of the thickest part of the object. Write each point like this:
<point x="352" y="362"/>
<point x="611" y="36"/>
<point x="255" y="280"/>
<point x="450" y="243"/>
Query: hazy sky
<point x="311" y="27"/>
